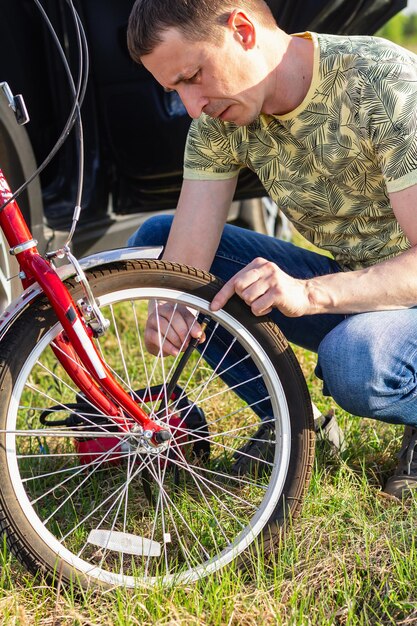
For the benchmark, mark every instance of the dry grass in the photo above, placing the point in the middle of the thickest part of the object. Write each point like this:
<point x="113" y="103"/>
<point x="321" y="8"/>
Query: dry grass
<point x="350" y="559"/>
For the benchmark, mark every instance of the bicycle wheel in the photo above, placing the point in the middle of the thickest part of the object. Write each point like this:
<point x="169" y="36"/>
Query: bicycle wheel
<point x="87" y="501"/>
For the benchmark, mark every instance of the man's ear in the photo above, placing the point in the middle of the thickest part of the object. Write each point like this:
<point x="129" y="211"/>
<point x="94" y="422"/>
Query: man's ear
<point x="243" y="28"/>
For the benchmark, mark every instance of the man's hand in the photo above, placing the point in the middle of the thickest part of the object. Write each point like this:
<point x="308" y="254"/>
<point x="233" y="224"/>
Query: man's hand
<point x="263" y="286"/>
<point x="170" y="328"/>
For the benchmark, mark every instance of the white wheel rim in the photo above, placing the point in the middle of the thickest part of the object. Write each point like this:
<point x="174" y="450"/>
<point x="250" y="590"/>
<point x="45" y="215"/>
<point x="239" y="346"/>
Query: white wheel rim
<point x="269" y="501"/>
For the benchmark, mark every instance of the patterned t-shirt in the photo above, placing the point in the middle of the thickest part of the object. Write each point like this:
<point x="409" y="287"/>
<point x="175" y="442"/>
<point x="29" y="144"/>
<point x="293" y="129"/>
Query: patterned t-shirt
<point x="330" y="163"/>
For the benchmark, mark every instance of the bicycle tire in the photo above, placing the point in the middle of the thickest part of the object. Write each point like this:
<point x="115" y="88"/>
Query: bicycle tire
<point x="198" y="513"/>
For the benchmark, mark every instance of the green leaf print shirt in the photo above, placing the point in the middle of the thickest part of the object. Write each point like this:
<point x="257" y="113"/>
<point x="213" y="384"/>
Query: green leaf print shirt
<point x="330" y="163"/>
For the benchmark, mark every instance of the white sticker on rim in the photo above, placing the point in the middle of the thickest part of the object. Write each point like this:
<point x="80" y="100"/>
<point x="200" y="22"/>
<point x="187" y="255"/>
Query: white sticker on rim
<point x="124" y="542"/>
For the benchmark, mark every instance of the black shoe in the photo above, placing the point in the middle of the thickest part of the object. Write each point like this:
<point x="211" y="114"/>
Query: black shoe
<point x="257" y="455"/>
<point x="404" y="479"/>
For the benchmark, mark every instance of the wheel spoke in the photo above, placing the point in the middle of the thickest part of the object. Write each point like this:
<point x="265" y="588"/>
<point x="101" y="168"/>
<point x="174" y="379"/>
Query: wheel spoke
<point x="96" y="508"/>
<point x="69" y="497"/>
<point x="180" y="515"/>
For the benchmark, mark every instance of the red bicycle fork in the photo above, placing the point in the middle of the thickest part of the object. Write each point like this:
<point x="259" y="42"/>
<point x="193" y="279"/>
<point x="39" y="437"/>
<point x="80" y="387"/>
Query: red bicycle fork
<point x="73" y="347"/>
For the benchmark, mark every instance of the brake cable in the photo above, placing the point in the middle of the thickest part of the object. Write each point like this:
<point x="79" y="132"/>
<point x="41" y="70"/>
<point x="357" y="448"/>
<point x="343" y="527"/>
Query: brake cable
<point x="74" y="115"/>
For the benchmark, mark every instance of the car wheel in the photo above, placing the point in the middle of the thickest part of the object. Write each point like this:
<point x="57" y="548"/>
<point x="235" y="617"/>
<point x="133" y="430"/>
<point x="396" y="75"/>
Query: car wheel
<point x="264" y="216"/>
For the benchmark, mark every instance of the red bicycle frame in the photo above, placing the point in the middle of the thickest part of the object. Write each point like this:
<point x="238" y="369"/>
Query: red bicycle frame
<point x="73" y="347"/>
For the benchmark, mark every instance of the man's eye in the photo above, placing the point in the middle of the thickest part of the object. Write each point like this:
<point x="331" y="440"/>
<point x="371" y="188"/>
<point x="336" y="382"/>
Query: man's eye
<point x="193" y="78"/>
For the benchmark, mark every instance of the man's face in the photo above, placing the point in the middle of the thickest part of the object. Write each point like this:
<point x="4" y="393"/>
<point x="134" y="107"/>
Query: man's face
<point x="224" y="80"/>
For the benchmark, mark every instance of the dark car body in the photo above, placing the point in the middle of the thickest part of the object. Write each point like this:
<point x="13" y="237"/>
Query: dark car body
<point x="134" y="131"/>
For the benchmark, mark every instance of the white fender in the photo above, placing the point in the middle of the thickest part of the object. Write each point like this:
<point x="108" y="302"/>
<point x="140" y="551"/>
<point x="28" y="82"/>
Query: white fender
<point x="66" y="271"/>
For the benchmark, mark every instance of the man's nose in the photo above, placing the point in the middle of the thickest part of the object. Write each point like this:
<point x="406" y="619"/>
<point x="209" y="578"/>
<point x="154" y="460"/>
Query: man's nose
<point x="193" y="101"/>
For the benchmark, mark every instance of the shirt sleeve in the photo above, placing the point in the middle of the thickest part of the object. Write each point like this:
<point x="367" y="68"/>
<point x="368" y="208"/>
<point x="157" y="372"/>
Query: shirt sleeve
<point x="391" y="94"/>
<point x="208" y="154"/>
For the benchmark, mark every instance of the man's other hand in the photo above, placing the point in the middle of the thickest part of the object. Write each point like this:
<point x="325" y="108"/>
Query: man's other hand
<point x="170" y="328"/>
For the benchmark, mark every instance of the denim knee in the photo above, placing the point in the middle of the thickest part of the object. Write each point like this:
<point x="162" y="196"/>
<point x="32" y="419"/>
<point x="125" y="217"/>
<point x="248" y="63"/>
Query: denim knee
<point x="153" y="232"/>
<point x="368" y="363"/>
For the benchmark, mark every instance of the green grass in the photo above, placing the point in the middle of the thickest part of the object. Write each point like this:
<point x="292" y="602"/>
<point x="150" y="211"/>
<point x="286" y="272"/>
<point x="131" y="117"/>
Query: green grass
<point x="350" y="558"/>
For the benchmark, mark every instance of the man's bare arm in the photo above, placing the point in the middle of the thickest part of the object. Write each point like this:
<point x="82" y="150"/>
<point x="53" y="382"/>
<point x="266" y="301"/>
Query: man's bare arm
<point x="199" y="220"/>
<point x="194" y="237"/>
<point x="391" y="284"/>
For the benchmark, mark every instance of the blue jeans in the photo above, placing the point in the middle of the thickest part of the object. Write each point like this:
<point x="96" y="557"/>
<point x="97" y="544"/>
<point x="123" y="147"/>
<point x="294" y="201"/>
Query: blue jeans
<point x="367" y="361"/>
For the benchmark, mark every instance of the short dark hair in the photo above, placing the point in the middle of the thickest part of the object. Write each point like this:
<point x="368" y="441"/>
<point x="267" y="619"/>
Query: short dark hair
<point x="197" y="20"/>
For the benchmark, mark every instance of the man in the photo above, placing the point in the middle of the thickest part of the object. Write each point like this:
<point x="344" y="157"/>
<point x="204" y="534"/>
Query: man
<point x="329" y="124"/>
